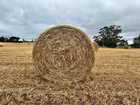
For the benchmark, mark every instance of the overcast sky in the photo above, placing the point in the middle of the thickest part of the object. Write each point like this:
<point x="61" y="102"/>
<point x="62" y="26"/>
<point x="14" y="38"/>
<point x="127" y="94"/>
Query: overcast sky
<point x="27" y="18"/>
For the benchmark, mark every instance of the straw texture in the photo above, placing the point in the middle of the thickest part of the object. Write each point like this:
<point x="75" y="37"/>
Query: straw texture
<point x="95" y="46"/>
<point x="63" y="53"/>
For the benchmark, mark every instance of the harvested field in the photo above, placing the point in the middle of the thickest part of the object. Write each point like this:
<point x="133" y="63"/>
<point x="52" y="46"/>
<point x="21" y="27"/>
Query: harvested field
<point x="1" y="45"/>
<point x="115" y="80"/>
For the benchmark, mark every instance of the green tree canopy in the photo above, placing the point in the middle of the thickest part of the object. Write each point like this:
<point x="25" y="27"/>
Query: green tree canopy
<point x="136" y="42"/>
<point x="109" y="36"/>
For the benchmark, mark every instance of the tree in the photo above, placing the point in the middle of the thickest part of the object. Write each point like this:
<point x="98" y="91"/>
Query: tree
<point x="136" y="42"/>
<point x="14" y="39"/>
<point x="3" y="39"/>
<point x="109" y="36"/>
<point x="123" y="44"/>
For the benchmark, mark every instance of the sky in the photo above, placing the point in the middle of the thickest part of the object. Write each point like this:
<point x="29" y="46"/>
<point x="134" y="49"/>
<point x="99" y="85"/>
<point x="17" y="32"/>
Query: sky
<point x="28" y="18"/>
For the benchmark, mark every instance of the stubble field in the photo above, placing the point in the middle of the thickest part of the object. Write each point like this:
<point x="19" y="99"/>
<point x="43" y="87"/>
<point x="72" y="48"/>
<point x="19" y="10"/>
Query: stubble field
<point x="115" y="79"/>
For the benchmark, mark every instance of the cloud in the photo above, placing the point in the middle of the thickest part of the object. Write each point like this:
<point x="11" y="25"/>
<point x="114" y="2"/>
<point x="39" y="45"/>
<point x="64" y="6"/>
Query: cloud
<point x="27" y="18"/>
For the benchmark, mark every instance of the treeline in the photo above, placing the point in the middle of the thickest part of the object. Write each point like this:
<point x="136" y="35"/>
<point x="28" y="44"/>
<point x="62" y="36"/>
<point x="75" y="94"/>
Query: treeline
<point x="136" y="42"/>
<point x="109" y="36"/>
<point x="13" y="39"/>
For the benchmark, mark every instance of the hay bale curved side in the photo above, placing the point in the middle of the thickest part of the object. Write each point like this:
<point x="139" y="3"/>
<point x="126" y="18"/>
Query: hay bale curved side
<point x="63" y="53"/>
<point x="95" y="46"/>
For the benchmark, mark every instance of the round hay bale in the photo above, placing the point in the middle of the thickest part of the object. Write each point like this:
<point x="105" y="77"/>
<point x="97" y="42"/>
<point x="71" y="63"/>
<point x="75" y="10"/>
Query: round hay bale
<point x="95" y="46"/>
<point x="63" y="53"/>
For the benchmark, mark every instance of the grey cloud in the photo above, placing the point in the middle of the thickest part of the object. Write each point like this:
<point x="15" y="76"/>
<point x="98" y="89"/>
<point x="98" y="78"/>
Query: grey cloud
<point x="29" y="17"/>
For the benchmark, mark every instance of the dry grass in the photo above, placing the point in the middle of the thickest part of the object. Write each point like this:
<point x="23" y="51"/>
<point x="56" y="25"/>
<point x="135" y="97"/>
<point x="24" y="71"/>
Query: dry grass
<point x="62" y="52"/>
<point x="1" y="45"/>
<point x="115" y="80"/>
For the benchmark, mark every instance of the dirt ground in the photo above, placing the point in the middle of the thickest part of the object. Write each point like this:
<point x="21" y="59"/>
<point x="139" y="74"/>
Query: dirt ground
<point x="115" y="79"/>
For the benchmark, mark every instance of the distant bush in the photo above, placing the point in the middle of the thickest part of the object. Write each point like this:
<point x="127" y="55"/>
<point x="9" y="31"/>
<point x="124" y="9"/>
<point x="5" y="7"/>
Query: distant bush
<point x="9" y="39"/>
<point x="14" y="39"/>
<point x="123" y="44"/>
<point x="3" y="39"/>
<point x="136" y="42"/>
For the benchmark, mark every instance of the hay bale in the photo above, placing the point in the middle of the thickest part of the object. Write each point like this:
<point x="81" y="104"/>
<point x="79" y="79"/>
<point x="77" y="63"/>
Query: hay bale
<point x="95" y="46"/>
<point x="63" y="53"/>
